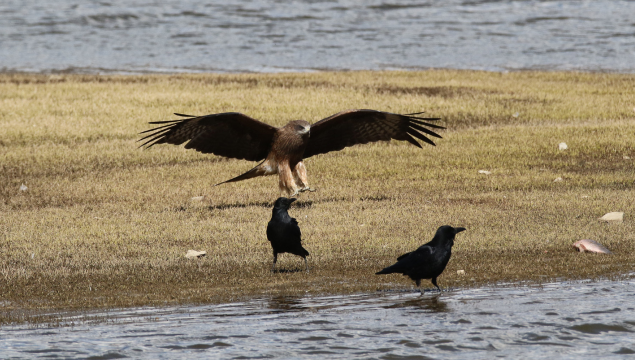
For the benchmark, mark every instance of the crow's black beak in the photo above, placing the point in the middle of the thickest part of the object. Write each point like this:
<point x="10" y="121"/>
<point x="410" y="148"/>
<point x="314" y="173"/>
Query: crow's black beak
<point x="459" y="229"/>
<point x="292" y="200"/>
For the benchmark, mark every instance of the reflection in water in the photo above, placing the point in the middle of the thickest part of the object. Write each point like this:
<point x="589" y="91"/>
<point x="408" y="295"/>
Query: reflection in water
<point x="432" y="303"/>
<point x="286" y="303"/>
<point x="563" y="320"/>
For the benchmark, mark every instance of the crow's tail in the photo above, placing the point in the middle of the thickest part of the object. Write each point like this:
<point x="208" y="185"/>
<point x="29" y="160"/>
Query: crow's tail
<point x="388" y="270"/>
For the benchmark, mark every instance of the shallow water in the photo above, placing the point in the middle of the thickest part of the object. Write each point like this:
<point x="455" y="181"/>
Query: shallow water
<point x="563" y="320"/>
<point x="272" y="36"/>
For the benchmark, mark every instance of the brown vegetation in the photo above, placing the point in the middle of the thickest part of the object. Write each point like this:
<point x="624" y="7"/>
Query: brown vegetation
<point x="104" y="224"/>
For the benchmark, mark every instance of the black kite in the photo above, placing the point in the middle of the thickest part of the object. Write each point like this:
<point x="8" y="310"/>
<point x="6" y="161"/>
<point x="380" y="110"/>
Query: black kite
<point x="239" y="136"/>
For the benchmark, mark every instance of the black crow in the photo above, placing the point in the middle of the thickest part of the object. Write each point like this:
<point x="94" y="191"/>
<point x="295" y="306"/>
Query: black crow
<point x="284" y="233"/>
<point x="429" y="260"/>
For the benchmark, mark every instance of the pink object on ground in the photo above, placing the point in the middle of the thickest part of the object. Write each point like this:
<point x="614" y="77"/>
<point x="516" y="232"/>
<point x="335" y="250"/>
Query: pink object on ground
<point x="590" y="246"/>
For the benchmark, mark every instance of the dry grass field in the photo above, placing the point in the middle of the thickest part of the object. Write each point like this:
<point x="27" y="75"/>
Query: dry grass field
<point x="105" y="224"/>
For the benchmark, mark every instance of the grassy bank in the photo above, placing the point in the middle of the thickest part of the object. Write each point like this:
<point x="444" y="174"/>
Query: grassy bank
<point x="104" y="224"/>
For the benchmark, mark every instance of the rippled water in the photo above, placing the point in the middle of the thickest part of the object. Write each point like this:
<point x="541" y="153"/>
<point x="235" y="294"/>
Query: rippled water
<point x="271" y="36"/>
<point x="559" y="320"/>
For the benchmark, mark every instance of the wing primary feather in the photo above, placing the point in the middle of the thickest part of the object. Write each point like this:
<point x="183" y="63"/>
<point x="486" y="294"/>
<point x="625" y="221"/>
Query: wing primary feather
<point x="158" y="138"/>
<point x="158" y="128"/>
<point x="424" y="130"/>
<point x="183" y="115"/>
<point x="415" y="113"/>
<point x="421" y="137"/>
<point x="165" y="121"/>
<point x="159" y="133"/>
<point x="426" y="124"/>
<point x="421" y="118"/>
<point x="414" y="142"/>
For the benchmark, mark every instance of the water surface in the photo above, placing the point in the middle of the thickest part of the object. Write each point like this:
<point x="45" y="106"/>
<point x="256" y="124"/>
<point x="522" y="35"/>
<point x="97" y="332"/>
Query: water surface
<point x="272" y="36"/>
<point x="559" y="320"/>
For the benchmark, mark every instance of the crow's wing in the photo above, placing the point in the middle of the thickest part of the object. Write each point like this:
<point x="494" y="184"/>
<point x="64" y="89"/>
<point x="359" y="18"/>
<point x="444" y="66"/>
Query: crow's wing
<point x="284" y="232"/>
<point x="233" y="135"/>
<point x="404" y="255"/>
<point x="353" y="127"/>
<point x="423" y="254"/>
<point x="292" y="230"/>
<point x="410" y="260"/>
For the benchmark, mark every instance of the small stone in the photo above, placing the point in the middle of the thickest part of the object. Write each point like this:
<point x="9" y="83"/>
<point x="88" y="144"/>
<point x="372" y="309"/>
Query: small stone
<point x="193" y="254"/>
<point x="616" y="217"/>
<point x="23" y="187"/>
<point x="562" y="146"/>
<point x="558" y="179"/>
<point x="626" y="157"/>
<point x="460" y="272"/>
<point x="516" y="115"/>
<point x="484" y="172"/>
<point x="199" y="198"/>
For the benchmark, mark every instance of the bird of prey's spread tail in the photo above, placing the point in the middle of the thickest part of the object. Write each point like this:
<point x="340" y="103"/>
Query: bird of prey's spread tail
<point x="429" y="260"/>
<point x="281" y="150"/>
<point x="284" y="233"/>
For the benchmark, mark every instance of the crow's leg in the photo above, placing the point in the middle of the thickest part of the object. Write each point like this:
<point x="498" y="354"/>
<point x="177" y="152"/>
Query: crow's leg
<point x="418" y="282"/>
<point x="306" y="263"/>
<point x="275" y="259"/>
<point x="434" y="282"/>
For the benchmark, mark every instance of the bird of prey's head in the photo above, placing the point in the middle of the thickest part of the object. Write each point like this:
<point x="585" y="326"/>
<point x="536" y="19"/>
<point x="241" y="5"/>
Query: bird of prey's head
<point x="300" y="127"/>
<point x="283" y="203"/>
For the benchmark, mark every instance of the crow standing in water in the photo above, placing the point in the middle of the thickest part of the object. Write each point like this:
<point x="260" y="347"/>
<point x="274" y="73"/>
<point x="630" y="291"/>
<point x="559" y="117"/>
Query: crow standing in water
<point x="284" y="233"/>
<point x="429" y="260"/>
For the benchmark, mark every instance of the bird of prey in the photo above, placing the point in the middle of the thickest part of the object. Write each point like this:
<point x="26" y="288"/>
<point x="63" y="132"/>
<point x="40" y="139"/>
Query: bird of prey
<point x="281" y="150"/>
<point x="429" y="260"/>
<point x="284" y="233"/>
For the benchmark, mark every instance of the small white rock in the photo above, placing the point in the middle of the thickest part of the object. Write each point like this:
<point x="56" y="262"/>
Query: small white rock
<point x="484" y="172"/>
<point x="515" y="115"/>
<point x="198" y="198"/>
<point x="616" y="217"/>
<point x="193" y="254"/>
<point x="23" y="187"/>
<point x="562" y="146"/>
<point x="460" y="272"/>
<point x="626" y="157"/>
<point x="558" y="179"/>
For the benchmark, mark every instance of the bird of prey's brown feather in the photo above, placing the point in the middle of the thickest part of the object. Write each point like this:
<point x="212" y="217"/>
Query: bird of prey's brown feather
<point x="281" y="150"/>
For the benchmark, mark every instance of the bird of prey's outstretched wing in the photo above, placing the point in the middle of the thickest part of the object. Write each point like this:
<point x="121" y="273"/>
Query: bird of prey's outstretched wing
<point x="232" y="134"/>
<point x="353" y="127"/>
